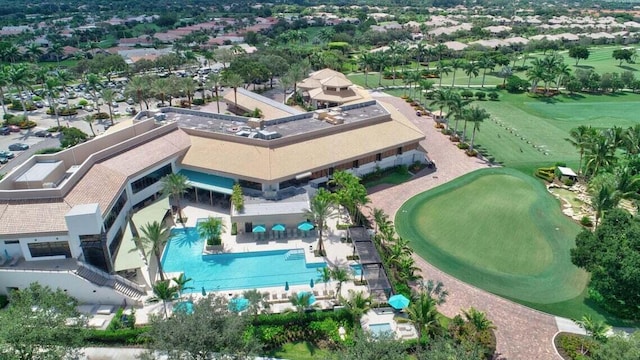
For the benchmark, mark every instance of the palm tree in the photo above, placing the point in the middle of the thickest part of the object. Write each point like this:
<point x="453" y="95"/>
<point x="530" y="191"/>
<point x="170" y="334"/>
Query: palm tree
<point x="20" y="78"/>
<point x="164" y="292"/>
<point x="324" y="275"/>
<point x="442" y="71"/>
<point x="160" y="88"/>
<point x="234" y="81"/>
<point x="357" y="304"/>
<point x="425" y="87"/>
<point x="365" y="60"/>
<point x="320" y="208"/>
<point x="455" y="65"/>
<point x="340" y="275"/>
<point x="33" y="52"/>
<point x="258" y="301"/>
<point x="109" y="96"/>
<point x="441" y="98"/>
<point x="398" y="250"/>
<point x="478" y="319"/>
<point x="471" y="69"/>
<point x="57" y="50"/>
<point x="89" y="119"/>
<point x="51" y="92"/>
<point x="302" y="301"/>
<point x="189" y="87"/>
<point x="213" y="82"/>
<point x="476" y="115"/>
<point x="424" y="314"/>
<point x="64" y="77"/>
<point x="380" y="219"/>
<point x="154" y="237"/>
<point x="297" y="73"/>
<point x="486" y="63"/>
<point x="604" y="197"/>
<point x="93" y="85"/>
<point x="4" y="81"/>
<point x="137" y="88"/>
<point x="181" y="284"/>
<point x="538" y="72"/>
<point x="456" y="109"/>
<point x="504" y="73"/>
<point x="600" y="153"/>
<point x="596" y="329"/>
<point x="631" y="140"/>
<point x="212" y="229"/>
<point x="562" y="71"/>
<point x="175" y="185"/>
<point x="580" y="138"/>
<point x="381" y="58"/>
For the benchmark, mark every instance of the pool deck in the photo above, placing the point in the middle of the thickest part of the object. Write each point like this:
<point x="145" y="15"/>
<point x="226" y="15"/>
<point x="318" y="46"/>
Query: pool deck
<point x="336" y="250"/>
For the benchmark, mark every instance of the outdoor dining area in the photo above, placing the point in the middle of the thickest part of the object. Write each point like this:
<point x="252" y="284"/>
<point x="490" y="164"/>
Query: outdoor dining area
<point x="282" y="231"/>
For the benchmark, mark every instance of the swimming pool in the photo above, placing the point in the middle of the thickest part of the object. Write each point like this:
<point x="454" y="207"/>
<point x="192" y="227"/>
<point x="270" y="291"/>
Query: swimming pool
<point x="379" y="329"/>
<point x="232" y="271"/>
<point x="356" y="269"/>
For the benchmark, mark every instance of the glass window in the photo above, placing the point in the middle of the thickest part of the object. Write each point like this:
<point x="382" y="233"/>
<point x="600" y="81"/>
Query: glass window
<point x="115" y="211"/>
<point x="150" y="179"/>
<point x="53" y="248"/>
<point x="9" y="242"/>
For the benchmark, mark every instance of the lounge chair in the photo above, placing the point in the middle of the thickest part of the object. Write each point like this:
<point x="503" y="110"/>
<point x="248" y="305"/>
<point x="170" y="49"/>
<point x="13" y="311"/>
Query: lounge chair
<point x="274" y="296"/>
<point x="315" y="293"/>
<point x="332" y="293"/>
<point x="284" y="296"/>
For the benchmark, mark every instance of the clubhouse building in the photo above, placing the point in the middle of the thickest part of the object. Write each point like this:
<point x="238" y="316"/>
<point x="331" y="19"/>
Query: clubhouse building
<point x="69" y="219"/>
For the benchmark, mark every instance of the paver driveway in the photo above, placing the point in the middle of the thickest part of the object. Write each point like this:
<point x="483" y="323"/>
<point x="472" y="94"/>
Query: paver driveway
<point x="522" y="333"/>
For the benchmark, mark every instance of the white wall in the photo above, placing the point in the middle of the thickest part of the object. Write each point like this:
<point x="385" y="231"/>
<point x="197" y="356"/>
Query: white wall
<point x="75" y="250"/>
<point x="77" y="287"/>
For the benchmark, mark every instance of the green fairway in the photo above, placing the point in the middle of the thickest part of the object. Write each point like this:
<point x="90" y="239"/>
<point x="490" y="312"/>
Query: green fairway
<point x="497" y="229"/>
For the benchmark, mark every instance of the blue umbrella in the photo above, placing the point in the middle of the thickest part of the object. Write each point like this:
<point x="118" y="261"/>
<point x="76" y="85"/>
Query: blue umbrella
<point x="312" y="298"/>
<point x="286" y="286"/>
<point x="311" y="284"/>
<point x="305" y="226"/>
<point x="278" y="227"/>
<point x="259" y="229"/>
<point x="238" y="304"/>
<point x="398" y="301"/>
<point x="204" y="293"/>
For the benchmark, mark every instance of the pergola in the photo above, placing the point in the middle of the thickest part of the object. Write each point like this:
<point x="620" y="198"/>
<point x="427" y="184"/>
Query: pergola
<point x="372" y="269"/>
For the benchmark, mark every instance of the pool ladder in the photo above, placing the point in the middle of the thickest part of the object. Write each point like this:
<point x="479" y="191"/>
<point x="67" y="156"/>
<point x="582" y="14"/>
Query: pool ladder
<point x="296" y="254"/>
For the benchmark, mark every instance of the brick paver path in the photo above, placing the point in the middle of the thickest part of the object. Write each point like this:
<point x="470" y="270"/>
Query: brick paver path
<point x="522" y="333"/>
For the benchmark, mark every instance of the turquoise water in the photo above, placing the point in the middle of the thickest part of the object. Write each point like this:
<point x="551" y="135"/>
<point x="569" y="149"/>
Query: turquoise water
<point x="379" y="329"/>
<point x="356" y="269"/>
<point x="233" y="271"/>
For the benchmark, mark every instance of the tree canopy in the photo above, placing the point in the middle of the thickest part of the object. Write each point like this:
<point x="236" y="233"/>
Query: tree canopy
<point x="612" y="255"/>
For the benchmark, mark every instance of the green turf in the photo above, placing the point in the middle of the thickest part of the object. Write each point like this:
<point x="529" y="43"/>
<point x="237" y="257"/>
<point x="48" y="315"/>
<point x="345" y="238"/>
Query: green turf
<point x="394" y="178"/>
<point x="299" y="351"/>
<point x="497" y="229"/>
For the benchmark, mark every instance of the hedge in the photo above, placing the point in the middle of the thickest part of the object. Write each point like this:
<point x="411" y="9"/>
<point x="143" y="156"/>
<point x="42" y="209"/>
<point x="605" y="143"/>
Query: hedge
<point x="121" y="336"/>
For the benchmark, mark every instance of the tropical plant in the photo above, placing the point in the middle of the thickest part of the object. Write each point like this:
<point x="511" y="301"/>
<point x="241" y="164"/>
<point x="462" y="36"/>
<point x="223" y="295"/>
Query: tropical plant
<point x="340" y="275"/>
<point x="424" y="314"/>
<point x="596" y="329"/>
<point x="20" y="78"/>
<point x="154" y="237"/>
<point x="475" y="115"/>
<point x="471" y="69"/>
<point x="212" y="229"/>
<point x="324" y="275"/>
<point x="357" y="304"/>
<point x="580" y="138"/>
<point x="258" y="301"/>
<point x="90" y="119"/>
<point x="234" y="81"/>
<point x="51" y="92"/>
<point x="478" y="319"/>
<point x="302" y="301"/>
<point x="456" y="64"/>
<point x="320" y="208"/>
<point x="163" y="292"/>
<point x="486" y="63"/>
<point x="599" y="154"/>
<point x="213" y="82"/>
<point x="175" y="185"/>
<point x="181" y="283"/>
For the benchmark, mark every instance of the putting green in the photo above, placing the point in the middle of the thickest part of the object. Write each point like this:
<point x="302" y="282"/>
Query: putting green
<point x="499" y="230"/>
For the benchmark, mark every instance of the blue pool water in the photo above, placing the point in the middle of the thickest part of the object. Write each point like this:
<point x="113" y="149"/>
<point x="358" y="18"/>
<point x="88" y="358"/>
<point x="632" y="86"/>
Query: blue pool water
<point x="232" y="271"/>
<point x="379" y="329"/>
<point x="356" y="269"/>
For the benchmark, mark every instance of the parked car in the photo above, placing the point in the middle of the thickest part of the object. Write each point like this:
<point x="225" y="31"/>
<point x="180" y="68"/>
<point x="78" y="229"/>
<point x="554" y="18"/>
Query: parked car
<point x="18" y="147"/>
<point x="3" y="160"/>
<point x="5" y="131"/>
<point x="7" y="154"/>
<point x="130" y="110"/>
<point x="130" y="101"/>
<point x="14" y="128"/>
<point x="43" y="134"/>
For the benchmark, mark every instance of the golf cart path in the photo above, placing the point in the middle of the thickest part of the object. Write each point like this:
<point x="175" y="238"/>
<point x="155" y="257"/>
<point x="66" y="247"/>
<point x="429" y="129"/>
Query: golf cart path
<point x="522" y="333"/>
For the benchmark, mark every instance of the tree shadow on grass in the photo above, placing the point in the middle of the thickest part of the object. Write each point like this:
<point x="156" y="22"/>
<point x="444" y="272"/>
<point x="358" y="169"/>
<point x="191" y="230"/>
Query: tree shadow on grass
<point x="586" y="67"/>
<point x="626" y="67"/>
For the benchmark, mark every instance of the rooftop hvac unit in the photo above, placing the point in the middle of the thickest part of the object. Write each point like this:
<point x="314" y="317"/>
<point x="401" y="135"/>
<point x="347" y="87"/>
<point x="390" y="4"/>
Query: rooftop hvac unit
<point x="160" y="117"/>
<point x="48" y="185"/>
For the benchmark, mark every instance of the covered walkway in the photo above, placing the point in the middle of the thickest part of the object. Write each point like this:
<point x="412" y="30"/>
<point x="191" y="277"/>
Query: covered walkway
<point x="372" y="269"/>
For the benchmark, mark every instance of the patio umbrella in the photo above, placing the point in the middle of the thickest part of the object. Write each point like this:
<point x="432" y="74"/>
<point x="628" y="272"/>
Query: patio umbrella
<point x="204" y="293"/>
<point x="259" y="229"/>
<point x="311" y="283"/>
<point x="286" y="286"/>
<point x="305" y="226"/>
<point x="398" y="302"/>
<point x="238" y="304"/>
<point x="312" y="298"/>
<point x="278" y="227"/>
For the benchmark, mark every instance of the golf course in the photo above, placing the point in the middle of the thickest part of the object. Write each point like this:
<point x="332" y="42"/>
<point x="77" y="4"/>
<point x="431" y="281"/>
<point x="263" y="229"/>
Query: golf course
<point x="498" y="229"/>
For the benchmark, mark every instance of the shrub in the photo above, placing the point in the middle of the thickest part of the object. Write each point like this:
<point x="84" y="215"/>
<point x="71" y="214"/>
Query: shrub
<point x="63" y="111"/>
<point x="4" y="300"/>
<point x="574" y="346"/>
<point x="21" y="121"/>
<point x="568" y="182"/>
<point x="55" y="129"/>
<point x="547" y="174"/>
<point x="493" y="96"/>
<point x="447" y="131"/>
<point x="51" y="150"/>
<point x="72" y="136"/>
<point x="198" y="101"/>
<point x="586" y="221"/>
<point x="480" y="95"/>
<point x="463" y="146"/>
<point x="466" y="94"/>
<point x="515" y="84"/>
<point x="471" y="153"/>
<point x="17" y="105"/>
<point x="8" y="116"/>
<point x="234" y="229"/>
<point x="121" y="336"/>
<point x="101" y="116"/>
<point x="83" y="102"/>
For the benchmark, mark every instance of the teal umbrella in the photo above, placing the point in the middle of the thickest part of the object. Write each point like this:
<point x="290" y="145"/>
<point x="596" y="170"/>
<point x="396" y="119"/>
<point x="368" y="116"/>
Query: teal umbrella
<point x="311" y="283"/>
<point x="204" y="293"/>
<point x="259" y="229"/>
<point x="286" y="286"/>
<point x="305" y="226"/>
<point x="278" y="227"/>
<point x="398" y="301"/>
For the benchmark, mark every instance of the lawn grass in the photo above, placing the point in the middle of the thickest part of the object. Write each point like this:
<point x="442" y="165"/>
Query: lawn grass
<point x="531" y="264"/>
<point x="393" y="178"/>
<point x="299" y="351"/>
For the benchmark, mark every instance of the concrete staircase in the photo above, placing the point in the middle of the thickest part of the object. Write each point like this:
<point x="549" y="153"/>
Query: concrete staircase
<point x="116" y="282"/>
<point x="295" y="254"/>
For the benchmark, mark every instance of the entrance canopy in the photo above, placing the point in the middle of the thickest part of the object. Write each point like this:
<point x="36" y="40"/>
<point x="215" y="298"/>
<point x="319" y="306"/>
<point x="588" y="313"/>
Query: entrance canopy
<point x="215" y="183"/>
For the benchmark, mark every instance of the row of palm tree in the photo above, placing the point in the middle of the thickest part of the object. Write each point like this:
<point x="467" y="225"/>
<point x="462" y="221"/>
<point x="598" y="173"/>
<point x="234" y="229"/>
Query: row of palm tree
<point x="395" y="250"/>
<point x="550" y="69"/>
